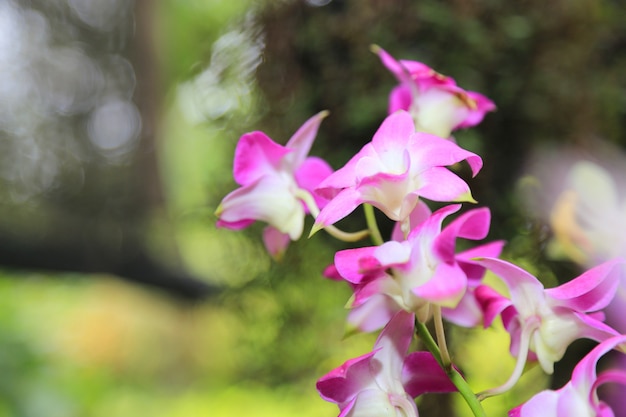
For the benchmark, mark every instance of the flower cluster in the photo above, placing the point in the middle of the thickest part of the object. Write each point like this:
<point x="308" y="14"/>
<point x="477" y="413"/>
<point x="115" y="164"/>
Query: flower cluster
<point x="418" y="275"/>
<point x="587" y="218"/>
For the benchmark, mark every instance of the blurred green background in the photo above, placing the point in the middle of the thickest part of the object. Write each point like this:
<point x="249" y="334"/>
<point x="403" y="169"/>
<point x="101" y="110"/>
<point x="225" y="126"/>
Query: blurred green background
<point x="118" y="122"/>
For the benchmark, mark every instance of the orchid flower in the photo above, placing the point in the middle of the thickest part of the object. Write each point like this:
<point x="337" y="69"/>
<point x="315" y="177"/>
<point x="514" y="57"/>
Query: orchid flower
<point x="545" y="321"/>
<point x="384" y="382"/>
<point x="394" y="170"/>
<point x="372" y="310"/>
<point x="590" y="194"/>
<point x="588" y="219"/>
<point x="276" y="181"/>
<point x="415" y="273"/>
<point x="579" y="397"/>
<point x="436" y="103"/>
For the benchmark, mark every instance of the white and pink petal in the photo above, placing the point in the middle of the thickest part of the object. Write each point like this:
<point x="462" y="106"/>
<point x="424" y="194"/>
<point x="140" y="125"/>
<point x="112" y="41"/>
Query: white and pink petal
<point x="256" y="155"/>
<point x="268" y="199"/>
<point x="301" y="141"/>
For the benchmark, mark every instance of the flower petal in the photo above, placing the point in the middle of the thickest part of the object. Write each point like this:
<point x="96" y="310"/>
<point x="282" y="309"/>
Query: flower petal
<point x="392" y="344"/>
<point x="400" y="98"/>
<point x="382" y="284"/>
<point x="310" y="174"/>
<point x="345" y="176"/>
<point x="301" y="141"/>
<point x="543" y="404"/>
<point x="445" y="288"/>
<point x="473" y="224"/>
<point x="420" y="213"/>
<point x="393" y="253"/>
<point x="269" y="200"/>
<point x="431" y="227"/>
<point x="441" y="184"/>
<point x="438" y="111"/>
<point x="256" y="155"/>
<point x="467" y="313"/>
<point x="591" y="291"/>
<point x="525" y="289"/>
<point x="376" y="403"/>
<point x="389" y="193"/>
<point x="343" y="383"/>
<point x="492" y="303"/>
<point x="235" y="225"/>
<point x="429" y="150"/>
<point x="393" y="134"/>
<point x="373" y="314"/>
<point x="594" y="329"/>
<point x="407" y="71"/>
<point x="339" y="207"/>
<point x="474" y="271"/>
<point x="482" y="105"/>
<point x="422" y="374"/>
<point x="355" y="264"/>
<point x="275" y="242"/>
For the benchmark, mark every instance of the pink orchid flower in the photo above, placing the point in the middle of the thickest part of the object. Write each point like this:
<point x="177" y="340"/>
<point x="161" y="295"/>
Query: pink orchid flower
<point x="385" y="381"/>
<point x="579" y="397"/>
<point x="546" y="321"/>
<point x="274" y="181"/>
<point x="415" y="273"/>
<point x="372" y="311"/>
<point x="436" y="103"/>
<point x="394" y="170"/>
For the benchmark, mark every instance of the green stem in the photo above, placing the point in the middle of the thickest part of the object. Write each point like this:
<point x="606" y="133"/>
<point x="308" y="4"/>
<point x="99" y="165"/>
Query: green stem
<point x="455" y="377"/>
<point x="427" y="338"/>
<point x="467" y="393"/>
<point x="372" y="225"/>
<point x="346" y="236"/>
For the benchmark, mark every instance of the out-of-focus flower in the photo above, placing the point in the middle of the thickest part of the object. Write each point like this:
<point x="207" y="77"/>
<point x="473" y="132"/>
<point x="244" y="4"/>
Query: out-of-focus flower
<point x="394" y="170"/>
<point x="579" y="397"/>
<point x="415" y="273"/>
<point x="384" y="382"/>
<point x="588" y="217"/>
<point x="436" y="103"/>
<point x="546" y="321"/>
<point x="275" y="182"/>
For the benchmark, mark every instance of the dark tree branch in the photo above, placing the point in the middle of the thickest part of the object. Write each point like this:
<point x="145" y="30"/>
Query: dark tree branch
<point x="129" y="262"/>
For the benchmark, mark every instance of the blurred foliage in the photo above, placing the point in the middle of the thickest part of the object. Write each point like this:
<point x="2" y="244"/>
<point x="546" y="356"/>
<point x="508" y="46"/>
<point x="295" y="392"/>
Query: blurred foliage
<point x="93" y="348"/>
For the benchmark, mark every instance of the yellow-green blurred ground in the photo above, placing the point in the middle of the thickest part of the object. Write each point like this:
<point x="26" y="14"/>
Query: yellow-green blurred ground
<point x="103" y="348"/>
<point x="99" y="347"/>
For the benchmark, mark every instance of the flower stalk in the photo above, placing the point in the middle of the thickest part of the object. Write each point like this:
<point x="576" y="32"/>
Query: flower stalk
<point x="372" y="225"/>
<point x="455" y="376"/>
<point x="446" y="362"/>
